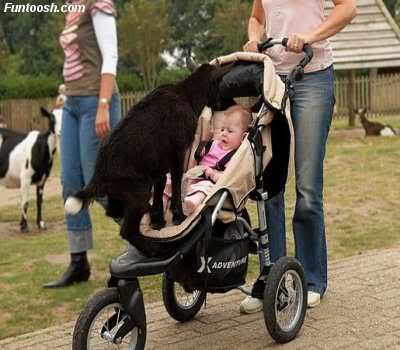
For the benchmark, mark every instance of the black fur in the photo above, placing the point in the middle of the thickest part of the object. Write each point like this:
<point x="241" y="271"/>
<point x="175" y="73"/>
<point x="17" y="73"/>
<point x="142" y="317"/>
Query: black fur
<point x="11" y="138"/>
<point x="148" y="143"/>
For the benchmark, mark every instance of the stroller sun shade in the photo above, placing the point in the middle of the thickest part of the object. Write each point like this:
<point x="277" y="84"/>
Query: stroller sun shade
<point x="239" y="177"/>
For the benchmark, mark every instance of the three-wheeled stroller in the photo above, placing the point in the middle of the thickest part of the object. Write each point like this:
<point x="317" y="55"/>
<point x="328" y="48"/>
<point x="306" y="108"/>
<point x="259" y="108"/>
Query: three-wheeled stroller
<point x="209" y="251"/>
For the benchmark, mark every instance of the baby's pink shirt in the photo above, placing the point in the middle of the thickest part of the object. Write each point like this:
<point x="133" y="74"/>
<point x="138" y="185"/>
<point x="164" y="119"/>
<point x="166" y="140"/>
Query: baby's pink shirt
<point x="214" y="155"/>
<point x="285" y="17"/>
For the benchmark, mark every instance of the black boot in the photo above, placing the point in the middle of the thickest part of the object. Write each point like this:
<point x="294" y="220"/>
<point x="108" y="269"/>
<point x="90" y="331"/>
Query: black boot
<point x="78" y="271"/>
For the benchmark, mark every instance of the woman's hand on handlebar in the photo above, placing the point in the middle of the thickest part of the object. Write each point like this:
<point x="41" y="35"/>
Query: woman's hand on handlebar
<point x="251" y="46"/>
<point x="296" y="42"/>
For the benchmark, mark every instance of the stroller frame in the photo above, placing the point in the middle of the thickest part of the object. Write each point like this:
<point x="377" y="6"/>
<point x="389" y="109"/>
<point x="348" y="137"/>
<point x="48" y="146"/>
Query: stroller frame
<point x="124" y="292"/>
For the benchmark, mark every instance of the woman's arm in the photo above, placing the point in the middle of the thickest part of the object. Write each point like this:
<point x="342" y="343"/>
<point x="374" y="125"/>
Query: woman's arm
<point x="256" y="26"/>
<point x="106" y="35"/>
<point x="341" y="15"/>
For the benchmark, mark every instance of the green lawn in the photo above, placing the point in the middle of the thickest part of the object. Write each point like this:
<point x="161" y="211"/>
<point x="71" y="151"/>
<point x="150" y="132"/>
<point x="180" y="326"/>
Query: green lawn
<point x="362" y="177"/>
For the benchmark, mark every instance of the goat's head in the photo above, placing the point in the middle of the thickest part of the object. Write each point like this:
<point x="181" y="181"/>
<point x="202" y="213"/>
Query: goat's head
<point x="51" y="117"/>
<point x="360" y="111"/>
<point x="202" y="86"/>
<point x="212" y="76"/>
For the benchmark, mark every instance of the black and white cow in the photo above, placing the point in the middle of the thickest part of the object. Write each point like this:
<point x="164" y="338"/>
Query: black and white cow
<point x="26" y="159"/>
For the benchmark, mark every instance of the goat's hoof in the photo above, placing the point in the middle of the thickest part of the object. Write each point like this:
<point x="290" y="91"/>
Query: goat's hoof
<point x="178" y="218"/>
<point x="157" y="220"/>
<point x="42" y="225"/>
<point x="158" y="225"/>
<point x="24" y="229"/>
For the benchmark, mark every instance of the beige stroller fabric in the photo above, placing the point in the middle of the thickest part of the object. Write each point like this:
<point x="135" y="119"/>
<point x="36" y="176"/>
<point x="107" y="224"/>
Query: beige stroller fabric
<point x="239" y="175"/>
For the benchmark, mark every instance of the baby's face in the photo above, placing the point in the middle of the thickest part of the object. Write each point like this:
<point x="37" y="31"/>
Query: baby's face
<point x="231" y="134"/>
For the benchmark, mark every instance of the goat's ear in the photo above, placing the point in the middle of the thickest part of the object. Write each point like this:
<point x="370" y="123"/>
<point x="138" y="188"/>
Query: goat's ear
<point x="220" y="71"/>
<point x="45" y="112"/>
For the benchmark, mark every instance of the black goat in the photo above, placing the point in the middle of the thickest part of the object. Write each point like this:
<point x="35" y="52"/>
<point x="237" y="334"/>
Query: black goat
<point x="25" y="159"/>
<point x="150" y="142"/>
<point x="374" y="128"/>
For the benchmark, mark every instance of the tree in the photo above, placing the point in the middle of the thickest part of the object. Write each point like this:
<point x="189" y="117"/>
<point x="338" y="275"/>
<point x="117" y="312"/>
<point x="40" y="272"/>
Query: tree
<point x="391" y="4"/>
<point x="191" y="19"/>
<point x="144" y="32"/>
<point x="51" y="51"/>
<point x="229" y="25"/>
<point x="26" y="35"/>
<point x="4" y="54"/>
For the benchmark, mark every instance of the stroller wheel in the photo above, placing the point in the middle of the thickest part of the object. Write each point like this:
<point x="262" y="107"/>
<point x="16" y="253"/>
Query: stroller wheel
<point x="181" y="304"/>
<point x="285" y="299"/>
<point x="99" y="322"/>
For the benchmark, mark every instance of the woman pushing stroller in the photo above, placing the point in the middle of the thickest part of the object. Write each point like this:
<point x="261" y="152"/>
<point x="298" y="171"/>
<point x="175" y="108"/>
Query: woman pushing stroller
<point x="303" y="22"/>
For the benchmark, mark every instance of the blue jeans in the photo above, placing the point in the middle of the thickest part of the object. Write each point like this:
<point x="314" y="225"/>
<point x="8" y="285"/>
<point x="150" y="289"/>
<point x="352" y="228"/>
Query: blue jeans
<point x="79" y="145"/>
<point x="312" y="109"/>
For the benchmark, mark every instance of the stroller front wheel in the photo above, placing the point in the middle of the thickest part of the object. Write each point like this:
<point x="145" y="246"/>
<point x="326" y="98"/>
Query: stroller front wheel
<point x="99" y="322"/>
<point x="285" y="299"/>
<point x="181" y="305"/>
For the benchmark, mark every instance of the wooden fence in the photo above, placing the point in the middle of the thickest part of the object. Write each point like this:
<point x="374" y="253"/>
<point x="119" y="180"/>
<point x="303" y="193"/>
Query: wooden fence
<point x="381" y="96"/>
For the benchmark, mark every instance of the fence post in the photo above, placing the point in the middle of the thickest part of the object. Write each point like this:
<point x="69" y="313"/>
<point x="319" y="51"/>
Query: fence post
<point x="351" y="97"/>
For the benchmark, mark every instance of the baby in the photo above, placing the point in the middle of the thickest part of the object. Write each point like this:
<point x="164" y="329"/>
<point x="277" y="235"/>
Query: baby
<point x="233" y="129"/>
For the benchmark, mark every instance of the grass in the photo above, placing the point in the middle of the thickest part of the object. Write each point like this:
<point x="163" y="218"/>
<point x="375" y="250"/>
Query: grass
<point x="362" y="178"/>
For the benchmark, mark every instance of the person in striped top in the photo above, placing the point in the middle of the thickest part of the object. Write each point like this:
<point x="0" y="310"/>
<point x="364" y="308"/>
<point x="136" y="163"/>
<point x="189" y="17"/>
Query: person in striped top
<point x="91" y="110"/>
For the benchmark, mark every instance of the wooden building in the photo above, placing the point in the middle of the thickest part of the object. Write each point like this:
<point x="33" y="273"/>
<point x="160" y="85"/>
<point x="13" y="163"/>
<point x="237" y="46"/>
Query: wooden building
<point x="371" y="41"/>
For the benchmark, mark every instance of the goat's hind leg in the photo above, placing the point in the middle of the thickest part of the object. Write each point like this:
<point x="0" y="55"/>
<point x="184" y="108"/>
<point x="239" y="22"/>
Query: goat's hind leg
<point x="136" y="204"/>
<point x="25" y="183"/>
<point x="157" y="209"/>
<point x="39" y="201"/>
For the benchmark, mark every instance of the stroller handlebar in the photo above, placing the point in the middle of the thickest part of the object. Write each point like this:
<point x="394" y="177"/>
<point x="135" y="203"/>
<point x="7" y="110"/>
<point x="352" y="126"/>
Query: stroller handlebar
<point x="298" y="71"/>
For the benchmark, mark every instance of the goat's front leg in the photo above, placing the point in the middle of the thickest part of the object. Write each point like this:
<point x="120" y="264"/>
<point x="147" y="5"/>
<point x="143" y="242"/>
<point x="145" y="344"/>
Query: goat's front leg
<point x="157" y="209"/>
<point x="176" y="200"/>
<point x="39" y="201"/>
<point x="25" y="183"/>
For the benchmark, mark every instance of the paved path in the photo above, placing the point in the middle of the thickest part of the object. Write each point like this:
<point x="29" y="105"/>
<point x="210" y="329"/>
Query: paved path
<point x="360" y="311"/>
<point x="13" y="196"/>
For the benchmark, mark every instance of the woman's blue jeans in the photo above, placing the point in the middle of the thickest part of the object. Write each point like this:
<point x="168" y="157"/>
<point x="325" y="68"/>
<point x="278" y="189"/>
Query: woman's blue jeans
<point x="79" y="145"/>
<point x="312" y="109"/>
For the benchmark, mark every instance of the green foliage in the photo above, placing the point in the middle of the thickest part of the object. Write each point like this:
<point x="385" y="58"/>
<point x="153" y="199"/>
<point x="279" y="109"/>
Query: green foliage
<point x="191" y="19"/>
<point x="19" y="86"/>
<point x="129" y="82"/>
<point x="145" y="33"/>
<point x="390" y="4"/>
<point x="229" y="25"/>
<point x="172" y="75"/>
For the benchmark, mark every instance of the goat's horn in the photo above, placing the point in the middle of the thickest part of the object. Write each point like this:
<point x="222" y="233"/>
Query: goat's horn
<point x="191" y="64"/>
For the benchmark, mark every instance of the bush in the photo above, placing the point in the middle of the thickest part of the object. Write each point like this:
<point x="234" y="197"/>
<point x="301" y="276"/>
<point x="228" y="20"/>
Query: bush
<point x="14" y="86"/>
<point x="129" y="83"/>
<point x="22" y="86"/>
<point x="172" y="75"/>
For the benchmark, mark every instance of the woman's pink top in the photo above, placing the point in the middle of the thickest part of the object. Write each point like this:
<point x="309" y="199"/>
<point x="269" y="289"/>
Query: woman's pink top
<point x="214" y="155"/>
<point x="284" y="17"/>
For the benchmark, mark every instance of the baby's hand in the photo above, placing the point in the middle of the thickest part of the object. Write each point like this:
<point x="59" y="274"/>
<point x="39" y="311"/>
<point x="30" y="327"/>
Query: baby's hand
<point x="209" y="172"/>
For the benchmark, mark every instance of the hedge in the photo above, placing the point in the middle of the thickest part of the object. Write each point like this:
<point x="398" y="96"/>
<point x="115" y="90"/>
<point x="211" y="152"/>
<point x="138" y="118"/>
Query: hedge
<point x="23" y="86"/>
